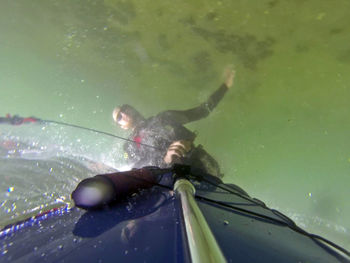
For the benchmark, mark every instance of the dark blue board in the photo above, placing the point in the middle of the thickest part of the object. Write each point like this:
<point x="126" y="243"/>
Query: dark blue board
<point x="148" y="227"/>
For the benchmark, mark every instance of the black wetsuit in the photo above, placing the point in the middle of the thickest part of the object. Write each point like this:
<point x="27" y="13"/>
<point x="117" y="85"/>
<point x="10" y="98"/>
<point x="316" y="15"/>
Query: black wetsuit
<point x="165" y="128"/>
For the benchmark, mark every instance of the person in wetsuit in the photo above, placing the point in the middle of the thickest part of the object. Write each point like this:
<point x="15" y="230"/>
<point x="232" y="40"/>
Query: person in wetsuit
<point x="170" y="141"/>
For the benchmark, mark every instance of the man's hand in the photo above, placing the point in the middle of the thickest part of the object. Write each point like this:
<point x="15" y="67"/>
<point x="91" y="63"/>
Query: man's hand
<point x="229" y="76"/>
<point x="177" y="150"/>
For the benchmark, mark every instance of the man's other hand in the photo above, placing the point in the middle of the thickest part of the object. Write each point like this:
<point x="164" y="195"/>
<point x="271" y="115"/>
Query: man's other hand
<point x="177" y="150"/>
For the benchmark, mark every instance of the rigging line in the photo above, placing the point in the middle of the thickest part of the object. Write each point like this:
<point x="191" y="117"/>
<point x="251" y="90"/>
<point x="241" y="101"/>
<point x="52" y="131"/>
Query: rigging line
<point x="242" y="210"/>
<point x="283" y="219"/>
<point x="101" y="132"/>
<point x="292" y="226"/>
<point x="290" y="223"/>
<point x="248" y="198"/>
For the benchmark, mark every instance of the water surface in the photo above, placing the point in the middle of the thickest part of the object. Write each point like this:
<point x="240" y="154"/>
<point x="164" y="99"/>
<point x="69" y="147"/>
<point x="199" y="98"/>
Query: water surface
<point x="282" y="131"/>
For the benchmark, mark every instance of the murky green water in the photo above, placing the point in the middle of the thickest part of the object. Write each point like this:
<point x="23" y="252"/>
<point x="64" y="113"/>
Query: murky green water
<point x="281" y="132"/>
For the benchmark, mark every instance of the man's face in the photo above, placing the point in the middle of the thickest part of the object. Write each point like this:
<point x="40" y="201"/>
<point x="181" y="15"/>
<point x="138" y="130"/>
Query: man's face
<point x="123" y="120"/>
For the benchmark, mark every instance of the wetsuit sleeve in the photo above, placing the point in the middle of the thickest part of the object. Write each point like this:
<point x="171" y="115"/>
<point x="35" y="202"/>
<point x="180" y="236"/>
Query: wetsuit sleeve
<point x="197" y="113"/>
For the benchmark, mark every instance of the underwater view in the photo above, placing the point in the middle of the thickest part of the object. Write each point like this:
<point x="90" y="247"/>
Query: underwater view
<point x="281" y="132"/>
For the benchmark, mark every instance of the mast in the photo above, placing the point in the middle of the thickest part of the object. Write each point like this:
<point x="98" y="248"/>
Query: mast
<point x="201" y="241"/>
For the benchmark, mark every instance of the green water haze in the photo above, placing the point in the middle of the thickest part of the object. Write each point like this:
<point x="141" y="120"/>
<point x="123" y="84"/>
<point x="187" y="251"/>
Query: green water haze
<point x="281" y="133"/>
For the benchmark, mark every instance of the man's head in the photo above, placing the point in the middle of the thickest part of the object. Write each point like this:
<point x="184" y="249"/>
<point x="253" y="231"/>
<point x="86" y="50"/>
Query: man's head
<point x="126" y="116"/>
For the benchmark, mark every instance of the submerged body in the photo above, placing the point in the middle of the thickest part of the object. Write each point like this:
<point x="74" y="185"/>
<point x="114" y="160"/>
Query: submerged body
<point x="163" y="140"/>
<point x="167" y="127"/>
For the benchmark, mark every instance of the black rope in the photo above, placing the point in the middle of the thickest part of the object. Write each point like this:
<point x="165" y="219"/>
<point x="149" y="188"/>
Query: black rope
<point x="286" y="220"/>
<point x="290" y="223"/>
<point x="283" y="219"/>
<point x="259" y="203"/>
<point x="100" y="132"/>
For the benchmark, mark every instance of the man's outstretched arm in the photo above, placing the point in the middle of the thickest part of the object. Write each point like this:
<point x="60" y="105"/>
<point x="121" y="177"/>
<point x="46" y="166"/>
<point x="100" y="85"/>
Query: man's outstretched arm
<point x="203" y="110"/>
